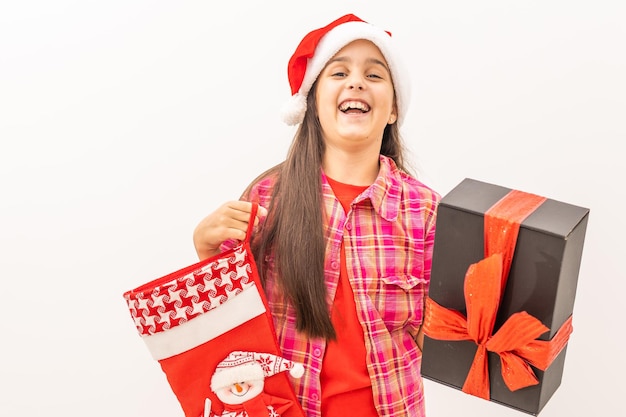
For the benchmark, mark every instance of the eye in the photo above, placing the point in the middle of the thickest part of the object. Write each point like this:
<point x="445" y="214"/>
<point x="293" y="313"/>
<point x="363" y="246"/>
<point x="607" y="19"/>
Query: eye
<point x="339" y="74"/>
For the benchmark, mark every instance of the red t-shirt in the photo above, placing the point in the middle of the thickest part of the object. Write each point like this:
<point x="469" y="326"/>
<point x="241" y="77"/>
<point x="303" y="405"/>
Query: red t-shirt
<point x="346" y="384"/>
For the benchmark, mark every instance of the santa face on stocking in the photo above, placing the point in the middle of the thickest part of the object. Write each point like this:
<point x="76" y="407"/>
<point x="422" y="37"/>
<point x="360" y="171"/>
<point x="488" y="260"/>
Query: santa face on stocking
<point x="239" y="381"/>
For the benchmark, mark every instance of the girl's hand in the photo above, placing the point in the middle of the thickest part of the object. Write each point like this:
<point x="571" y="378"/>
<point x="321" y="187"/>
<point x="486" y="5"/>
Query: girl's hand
<point x="229" y="221"/>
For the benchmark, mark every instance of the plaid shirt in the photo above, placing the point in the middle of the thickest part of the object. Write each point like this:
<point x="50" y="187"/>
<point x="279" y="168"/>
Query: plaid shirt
<point x="388" y="235"/>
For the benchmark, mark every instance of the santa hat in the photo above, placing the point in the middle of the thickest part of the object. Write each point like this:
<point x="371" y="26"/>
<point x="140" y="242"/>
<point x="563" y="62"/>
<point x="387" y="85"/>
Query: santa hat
<point x="320" y="45"/>
<point x="241" y="366"/>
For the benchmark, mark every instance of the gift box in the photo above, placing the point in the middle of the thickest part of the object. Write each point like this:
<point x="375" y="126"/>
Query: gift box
<point x="503" y="284"/>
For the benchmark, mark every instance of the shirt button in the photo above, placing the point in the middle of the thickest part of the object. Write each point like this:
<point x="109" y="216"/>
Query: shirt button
<point x="348" y="226"/>
<point x="317" y="353"/>
<point x="314" y="396"/>
<point x="334" y="265"/>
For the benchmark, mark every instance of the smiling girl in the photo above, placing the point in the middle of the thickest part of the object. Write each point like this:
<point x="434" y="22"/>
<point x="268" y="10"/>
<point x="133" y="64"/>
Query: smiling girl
<point x="345" y="234"/>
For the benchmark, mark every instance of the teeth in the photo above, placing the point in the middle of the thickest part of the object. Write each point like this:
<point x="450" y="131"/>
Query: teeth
<point x="354" y="105"/>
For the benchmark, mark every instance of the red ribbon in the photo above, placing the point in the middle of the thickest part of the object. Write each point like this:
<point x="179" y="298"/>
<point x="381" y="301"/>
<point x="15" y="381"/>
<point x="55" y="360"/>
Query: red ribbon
<point x="515" y="342"/>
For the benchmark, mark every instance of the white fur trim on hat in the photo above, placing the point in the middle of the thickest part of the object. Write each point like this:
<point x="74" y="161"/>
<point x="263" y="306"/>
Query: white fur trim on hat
<point x="329" y="45"/>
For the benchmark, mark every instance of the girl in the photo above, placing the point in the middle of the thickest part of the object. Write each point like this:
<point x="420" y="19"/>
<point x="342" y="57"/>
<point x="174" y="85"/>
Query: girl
<point x="344" y="234"/>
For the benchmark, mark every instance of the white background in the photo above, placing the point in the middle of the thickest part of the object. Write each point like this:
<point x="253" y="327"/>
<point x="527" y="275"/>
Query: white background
<point x="123" y="123"/>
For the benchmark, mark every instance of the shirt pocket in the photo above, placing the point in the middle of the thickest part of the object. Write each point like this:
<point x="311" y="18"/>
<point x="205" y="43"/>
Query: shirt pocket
<point x="399" y="300"/>
<point x="405" y="281"/>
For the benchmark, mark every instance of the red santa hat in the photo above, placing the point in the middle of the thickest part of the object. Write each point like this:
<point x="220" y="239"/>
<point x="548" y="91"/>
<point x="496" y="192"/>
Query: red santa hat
<point x="241" y="366"/>
<point x="320" y="45"/>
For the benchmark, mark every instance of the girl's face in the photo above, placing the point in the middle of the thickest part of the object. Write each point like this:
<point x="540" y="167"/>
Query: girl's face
<point x="355" y="96"/>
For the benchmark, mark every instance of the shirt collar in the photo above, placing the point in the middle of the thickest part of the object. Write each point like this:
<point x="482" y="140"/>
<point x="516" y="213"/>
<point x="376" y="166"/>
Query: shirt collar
<point x="385" y="192"/>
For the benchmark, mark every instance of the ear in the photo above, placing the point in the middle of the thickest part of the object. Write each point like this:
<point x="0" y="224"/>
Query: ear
<point x="394" y="114"/>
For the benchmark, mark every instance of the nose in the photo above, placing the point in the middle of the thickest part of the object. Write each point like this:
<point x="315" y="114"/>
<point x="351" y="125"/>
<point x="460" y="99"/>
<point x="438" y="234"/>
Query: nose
<point x="355" y="82"/>
<point x="238" y="387"/>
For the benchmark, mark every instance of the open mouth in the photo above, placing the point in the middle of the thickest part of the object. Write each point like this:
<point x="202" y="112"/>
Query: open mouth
<point x="354" y="107"/>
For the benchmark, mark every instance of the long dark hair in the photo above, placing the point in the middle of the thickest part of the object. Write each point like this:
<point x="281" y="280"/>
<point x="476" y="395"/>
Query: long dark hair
<point x="294" y="229"/>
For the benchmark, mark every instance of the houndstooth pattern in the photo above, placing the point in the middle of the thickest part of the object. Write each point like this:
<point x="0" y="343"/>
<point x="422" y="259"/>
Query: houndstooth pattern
<point x="181" y="299"/>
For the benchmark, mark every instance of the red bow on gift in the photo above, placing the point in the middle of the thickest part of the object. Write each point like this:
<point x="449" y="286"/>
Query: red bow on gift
<point x="515" y="342"/>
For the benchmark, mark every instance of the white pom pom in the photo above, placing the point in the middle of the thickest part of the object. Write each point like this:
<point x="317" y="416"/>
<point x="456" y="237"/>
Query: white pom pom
<point x="293" y="111"/>
<point x="297" y="370"/>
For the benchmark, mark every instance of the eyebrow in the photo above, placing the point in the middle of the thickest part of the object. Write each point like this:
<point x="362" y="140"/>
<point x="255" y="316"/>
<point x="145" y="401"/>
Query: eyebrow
<point x="368" y="60"/>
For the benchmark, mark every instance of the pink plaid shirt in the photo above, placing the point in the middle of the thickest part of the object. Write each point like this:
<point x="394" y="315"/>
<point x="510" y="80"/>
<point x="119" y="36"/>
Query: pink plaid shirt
<point x="389" y="235"/>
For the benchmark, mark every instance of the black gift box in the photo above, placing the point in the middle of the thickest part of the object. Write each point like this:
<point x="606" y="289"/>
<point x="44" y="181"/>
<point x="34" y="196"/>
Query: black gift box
<point x="542" y="281"/>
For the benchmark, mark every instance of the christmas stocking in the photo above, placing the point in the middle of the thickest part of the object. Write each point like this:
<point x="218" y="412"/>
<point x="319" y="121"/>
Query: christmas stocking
<point x="194" y="318"/>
